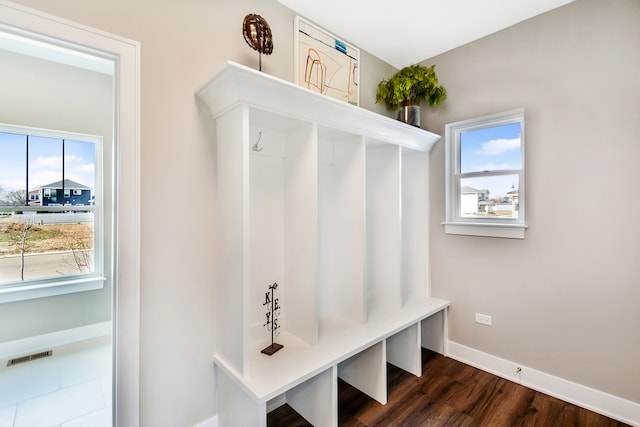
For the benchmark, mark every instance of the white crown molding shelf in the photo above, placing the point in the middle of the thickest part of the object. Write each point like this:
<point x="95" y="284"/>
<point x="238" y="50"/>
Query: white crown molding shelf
<point x="236" y="84"/>
<point x="331" y="202"/>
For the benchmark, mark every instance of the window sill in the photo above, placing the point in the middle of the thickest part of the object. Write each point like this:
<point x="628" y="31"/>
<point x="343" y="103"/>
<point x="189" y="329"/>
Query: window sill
<point x="506" y="231"/>
<point x="49" y="289"/>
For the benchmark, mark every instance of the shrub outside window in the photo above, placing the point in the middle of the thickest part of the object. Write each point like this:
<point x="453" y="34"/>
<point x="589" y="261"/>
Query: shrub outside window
<point x="485" y="186"/>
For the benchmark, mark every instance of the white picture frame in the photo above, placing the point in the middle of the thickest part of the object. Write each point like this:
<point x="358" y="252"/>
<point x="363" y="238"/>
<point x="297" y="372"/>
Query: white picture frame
<point x="326" y="64"/>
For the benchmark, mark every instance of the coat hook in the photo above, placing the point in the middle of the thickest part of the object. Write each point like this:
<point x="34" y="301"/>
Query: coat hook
<point x="256" y="147"/>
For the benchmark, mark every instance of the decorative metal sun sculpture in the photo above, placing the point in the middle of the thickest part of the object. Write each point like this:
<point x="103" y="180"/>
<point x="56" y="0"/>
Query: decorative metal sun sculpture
<point x="257" y="34"/>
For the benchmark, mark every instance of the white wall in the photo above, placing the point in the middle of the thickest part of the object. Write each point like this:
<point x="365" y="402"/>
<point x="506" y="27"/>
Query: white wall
<point x="565" y="300"/>
<point x="183" y="44"/>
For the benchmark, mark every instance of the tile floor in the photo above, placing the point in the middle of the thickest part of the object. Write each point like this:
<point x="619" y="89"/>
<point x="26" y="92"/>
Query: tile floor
<point x="66" y="390"/>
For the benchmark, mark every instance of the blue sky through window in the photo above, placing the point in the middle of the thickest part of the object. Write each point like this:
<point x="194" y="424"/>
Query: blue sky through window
<point x="495" y="148"/>
<point x="45" y="162"/>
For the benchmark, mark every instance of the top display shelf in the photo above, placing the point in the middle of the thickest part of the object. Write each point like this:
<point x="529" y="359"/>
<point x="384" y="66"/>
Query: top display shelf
<point x="236" y="84"/>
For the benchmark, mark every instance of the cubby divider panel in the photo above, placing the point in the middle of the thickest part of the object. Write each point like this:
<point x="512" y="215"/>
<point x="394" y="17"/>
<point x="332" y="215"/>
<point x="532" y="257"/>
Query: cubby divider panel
<point x="367" y="371"/>
<point x="415" y="225"/>
<point x="383" y="220"/>
<point x="434" y="332"/>
<point x="341" y="234"/>
<point x="235" y="407"/>
<point x="317" y="399"/>
<point x="404" y="350"/>
<point x="233" y="237"/>
<point x="301" y="233"/>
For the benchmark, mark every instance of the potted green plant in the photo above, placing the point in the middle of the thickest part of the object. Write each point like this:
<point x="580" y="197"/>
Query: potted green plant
<point x="408" y="88"/>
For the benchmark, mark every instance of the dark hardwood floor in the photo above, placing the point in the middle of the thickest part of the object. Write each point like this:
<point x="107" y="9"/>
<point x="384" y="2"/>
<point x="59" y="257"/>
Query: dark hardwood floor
<point x="450" y="393"/>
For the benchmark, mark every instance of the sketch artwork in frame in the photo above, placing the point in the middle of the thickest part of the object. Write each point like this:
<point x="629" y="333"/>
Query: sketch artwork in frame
<point x="326" y="64"/>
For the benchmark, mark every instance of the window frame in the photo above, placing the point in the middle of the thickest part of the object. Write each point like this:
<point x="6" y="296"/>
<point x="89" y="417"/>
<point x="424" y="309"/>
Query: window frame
<point x="473" y="226"/>
<point x="12" y="291"/>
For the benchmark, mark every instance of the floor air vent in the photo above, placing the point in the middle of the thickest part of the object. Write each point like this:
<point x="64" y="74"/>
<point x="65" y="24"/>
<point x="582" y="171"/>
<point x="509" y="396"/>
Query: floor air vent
<point x="30" y="357"/>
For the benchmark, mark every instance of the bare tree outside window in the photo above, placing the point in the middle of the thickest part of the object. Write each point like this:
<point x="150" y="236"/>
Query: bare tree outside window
<point x="16" y="198"/>
<point x="19" y="236"/>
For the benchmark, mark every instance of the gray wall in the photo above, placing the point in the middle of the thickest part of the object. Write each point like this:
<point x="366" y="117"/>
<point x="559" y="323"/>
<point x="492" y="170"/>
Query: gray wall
<point x="183" y="44"/>
<point x="49" y="95"/>
<point x="565" y="300"/>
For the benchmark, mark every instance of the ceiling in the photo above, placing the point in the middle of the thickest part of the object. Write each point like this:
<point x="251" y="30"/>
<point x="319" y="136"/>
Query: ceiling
<point x="405" y="32"/>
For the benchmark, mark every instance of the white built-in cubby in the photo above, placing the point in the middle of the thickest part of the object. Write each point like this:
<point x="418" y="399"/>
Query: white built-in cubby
<point x="331" y="202"/>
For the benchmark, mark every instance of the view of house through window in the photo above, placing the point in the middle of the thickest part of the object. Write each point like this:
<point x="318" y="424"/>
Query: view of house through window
<point x="47" y="206"/>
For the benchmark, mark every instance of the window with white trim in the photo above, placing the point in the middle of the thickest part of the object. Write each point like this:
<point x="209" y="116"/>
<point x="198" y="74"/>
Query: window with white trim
<point x="52" y="229"/>
<point x="485" y="186"/>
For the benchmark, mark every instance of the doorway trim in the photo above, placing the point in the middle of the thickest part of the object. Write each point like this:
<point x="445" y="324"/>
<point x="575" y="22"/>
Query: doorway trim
<point x="126" y="297"/>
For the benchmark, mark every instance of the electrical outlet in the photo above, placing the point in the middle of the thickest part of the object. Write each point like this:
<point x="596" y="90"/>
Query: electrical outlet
<point x="483" y="319"/>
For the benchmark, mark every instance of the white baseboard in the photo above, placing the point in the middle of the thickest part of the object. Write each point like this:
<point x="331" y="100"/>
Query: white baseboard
<point x="580" y="395"/>
<point x="211" y="422"/>
<point x="51" y="340"/>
